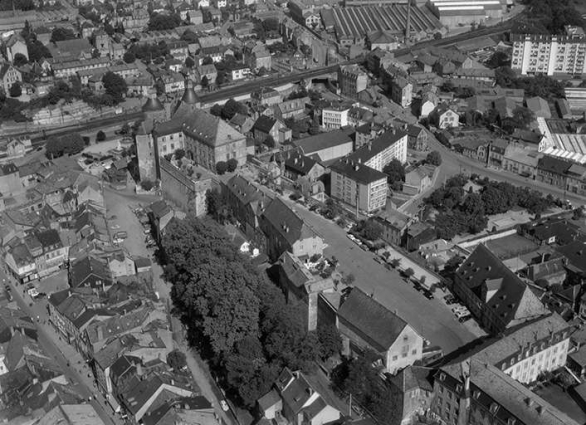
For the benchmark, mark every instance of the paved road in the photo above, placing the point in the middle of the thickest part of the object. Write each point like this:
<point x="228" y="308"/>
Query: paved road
<point x="70" y="361"/>
<point x="431" y="318"/>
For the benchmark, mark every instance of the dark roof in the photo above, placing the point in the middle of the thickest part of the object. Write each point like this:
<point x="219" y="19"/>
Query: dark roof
<point x="376" y="146"/>
<point x="49" y="238"/>
<point x="160" y="209"/>
<point x="527" y="136"/>
<point x="264" y="124"/>
<point x="564" y="231"/>
<point x="298" y="163"/>
<point x="322" y="141"/>
<point x="284" y="220"/>
<point x="553" y="165"/>
<point x="413" y="377"/>
<point x="357" y="172"/>
<point x="508" y="297"/>
<point x="575" y="252"/>
<point x="152" y="104"/>
<point x="86" y="267"/>
<point x="376" y="324"/>
<point x="189" y="95"/>
<point x="8" y="168"/>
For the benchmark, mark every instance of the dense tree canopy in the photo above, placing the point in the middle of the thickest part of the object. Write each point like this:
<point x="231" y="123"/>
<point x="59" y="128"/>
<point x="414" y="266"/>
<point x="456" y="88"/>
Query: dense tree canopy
<point x="234" y="314"/>
<point x="358" y="377"/>
<point x="396" y="172"/>
<point x="460" y="212"/>
<point x="114" y="85"/>
<point x="540" y="85"/>
<point x="163" y="22"/>
<point x="62" y="34"/>
<point x="70" y="144"/>
<point x="434" y="158"/>
<point x="550" y="16"/>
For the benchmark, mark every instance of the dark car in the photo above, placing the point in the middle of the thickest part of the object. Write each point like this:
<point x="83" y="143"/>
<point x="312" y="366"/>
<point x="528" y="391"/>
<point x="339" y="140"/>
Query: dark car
<point x="464" y="318"/>
<point x="450" y="299"/>
<point x="7" y="287"/>
<point x="428" y="295"/>
<point x="41" y="295"/>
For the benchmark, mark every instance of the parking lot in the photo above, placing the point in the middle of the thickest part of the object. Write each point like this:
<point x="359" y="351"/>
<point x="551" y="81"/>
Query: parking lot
<point x="121" y="217"/>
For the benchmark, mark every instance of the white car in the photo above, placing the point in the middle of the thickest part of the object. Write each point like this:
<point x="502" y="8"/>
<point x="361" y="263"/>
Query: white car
<point x="224" y="405"/>
<point x="33" y="292"/>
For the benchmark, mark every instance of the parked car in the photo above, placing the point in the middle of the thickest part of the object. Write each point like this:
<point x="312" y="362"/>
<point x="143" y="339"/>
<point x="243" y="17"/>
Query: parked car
<point x="121" y="235"/>
<point x="33" y="292"/>
<point x="428" y="294"/>
<point x="450" y="299"/>
<point x="465" y="318"/>
<point x="41" y="295"/>
<point x="224" y="405"/>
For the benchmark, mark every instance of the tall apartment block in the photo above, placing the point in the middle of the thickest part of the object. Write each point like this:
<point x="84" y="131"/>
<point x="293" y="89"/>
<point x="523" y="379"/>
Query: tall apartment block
<point x="535" y="54"/>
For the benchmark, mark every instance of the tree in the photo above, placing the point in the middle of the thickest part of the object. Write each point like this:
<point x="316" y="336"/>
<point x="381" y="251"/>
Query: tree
<point x="409" y="272"/>
<point x="395" y="262"/>
<point x="147" y="185"/>
<point x="221" y="78"/>
<point x="437" y="36"/>
<point x="179" y="153"/>
<point x="205" y="82"/>
<point x="370" y="229"/>
<point x="70" y="144"/>
<point x="114" y="86"/>
<point x="434" y="158"/>
<point x="19" y="60"/>
<point x="163" y="22"/>
<point x="176" y="359"/>
<point x="221" y="167"/>
<point x="207" y="61"/>
<point x="523" y="116"/>
<point x="129" y="57"/>
<point x="498" y="59"/>
<point x="349" y="279"/>
<point x="61" y="34"/>
<point x="233" y="107"/>
<point x="270" y="24"/>
<point x="396" y="174"/>
<point x="216" y="110"/>
<point x="15" y="89"/>
<point x="358" y="377"/>
<point x="216" y="207"/>
<point x="232" y="164"/>
<point x="100" y="136"/>
<point x="37" y="51"/>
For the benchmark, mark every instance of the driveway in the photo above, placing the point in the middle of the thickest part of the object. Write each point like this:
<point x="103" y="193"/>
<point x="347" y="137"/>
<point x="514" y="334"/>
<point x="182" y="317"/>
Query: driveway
<point x="432" y="319"/>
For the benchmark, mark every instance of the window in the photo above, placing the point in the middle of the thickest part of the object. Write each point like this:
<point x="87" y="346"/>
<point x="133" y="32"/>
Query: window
<point x="414" y="352"/>
<point x="395" y="358"/>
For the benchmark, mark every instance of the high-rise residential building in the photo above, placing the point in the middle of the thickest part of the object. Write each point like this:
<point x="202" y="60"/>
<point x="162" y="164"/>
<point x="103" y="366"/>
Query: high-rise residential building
<point x="535" y="54"/>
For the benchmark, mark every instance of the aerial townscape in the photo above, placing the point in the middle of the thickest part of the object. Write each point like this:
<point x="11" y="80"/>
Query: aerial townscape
<point x="293" y="212"/>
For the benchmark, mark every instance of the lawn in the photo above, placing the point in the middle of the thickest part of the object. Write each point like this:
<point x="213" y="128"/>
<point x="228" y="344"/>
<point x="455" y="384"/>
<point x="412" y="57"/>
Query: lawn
<point x="510" y="246"/>
<point x="563" y="401"/>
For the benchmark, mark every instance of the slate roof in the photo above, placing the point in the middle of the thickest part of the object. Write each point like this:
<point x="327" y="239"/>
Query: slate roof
<point x="84" y="268"/>
<point x="511" y="300"/>
<point x="539" y="107"/>
<point x="575" y="252"/>
<point x="370" y="149"/>
<point x="245" y="190"/>
<point x="264" y="124"/>
<point x="268" y="400"/>
<point x="553" y="165"/>
<point x="360" y="173"/>
<point x="375" y="323"/>
<point x="49" y="238"/>
<point x="298" y="163"/>
<point x="118" y="324"/>
<point x="160" y="209"/>
<point x="413" y="377"/>
<point x="323" y="141"/>
<point x="286" y="222"/>
<point x="208" y="129"/>
<point x="490" y="386"/>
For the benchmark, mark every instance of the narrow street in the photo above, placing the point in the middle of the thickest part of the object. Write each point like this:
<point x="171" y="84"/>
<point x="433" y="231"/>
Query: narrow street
<point x="119" y="205"/>
<point x="71" y="362"/>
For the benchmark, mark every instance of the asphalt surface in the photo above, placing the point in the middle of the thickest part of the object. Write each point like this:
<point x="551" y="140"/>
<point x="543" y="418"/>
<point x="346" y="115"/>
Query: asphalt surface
<point x="71" y="362"/>
<point x="432" y="319"/>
